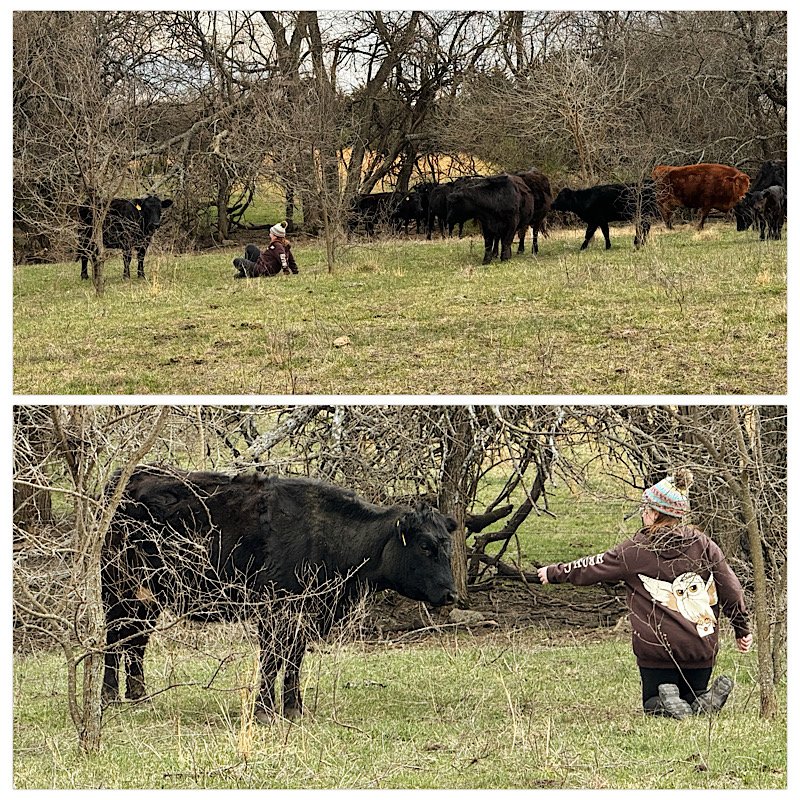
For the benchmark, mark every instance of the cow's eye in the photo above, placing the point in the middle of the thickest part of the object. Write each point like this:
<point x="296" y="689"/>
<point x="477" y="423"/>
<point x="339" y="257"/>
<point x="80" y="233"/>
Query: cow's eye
<point x="679" y="592"/>
<point x="694" y="588"/>
<point x="426" y="548"/>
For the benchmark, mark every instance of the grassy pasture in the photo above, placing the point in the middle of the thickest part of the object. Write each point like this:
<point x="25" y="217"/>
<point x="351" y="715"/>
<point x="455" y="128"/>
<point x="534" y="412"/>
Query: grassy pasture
<point x="536" y="708"/>
<point x="692" y="313"/>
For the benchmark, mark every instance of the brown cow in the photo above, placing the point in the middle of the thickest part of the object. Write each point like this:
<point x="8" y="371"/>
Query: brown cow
<point x="703" y="186"/>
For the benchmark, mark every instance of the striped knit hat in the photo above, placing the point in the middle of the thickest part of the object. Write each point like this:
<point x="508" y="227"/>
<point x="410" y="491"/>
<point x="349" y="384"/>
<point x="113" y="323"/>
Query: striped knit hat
<point x="278" y="229"/>
<point x="670" y="496"/>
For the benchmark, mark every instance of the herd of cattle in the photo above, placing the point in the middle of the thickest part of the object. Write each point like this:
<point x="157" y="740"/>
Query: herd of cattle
<point x="291" y="554"/>
<point x="505" y="206"/>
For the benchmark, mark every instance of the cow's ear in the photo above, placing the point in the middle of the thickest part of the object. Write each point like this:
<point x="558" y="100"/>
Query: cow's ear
<point x="166" y="203"/>
<point x="403" y="528"/>
<point x="450" y="524"/>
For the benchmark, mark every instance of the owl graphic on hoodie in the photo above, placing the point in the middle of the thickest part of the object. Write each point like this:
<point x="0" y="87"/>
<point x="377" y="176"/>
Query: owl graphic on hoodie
<point x="689" y="595"/>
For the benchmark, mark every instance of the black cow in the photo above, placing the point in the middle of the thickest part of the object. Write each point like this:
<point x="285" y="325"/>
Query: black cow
<point x="611" y="202"/>
<point x="539" y="185"/>
<point x="293" y="553"/>
<point x="438" y="210"/>
<point x="770" y="173"/>
<point x="407" y="208"/>
<point x="128" y="225"/>
<point x="392" y="208"/>
<point x="525" y="210"/>
<point x="495" y="202"/>
<point x="769" y="206"/>
<point x="369" y="210"/>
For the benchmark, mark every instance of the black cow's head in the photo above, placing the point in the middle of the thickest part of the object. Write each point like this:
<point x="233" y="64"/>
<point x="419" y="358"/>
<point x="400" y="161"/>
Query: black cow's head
<point x="744" y="212"/>
<point x="150" y="208"/>
<point x="565" y="201"/>
<point x="417" y="558"/>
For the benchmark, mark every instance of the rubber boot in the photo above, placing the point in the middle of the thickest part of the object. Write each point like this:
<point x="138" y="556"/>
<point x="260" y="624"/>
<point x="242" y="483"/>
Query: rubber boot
<point x="674" y="705"/>
<point x="714" y="698"/>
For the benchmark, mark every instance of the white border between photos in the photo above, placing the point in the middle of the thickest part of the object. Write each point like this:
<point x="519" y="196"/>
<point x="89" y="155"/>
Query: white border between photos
<point x="791" y="399"/>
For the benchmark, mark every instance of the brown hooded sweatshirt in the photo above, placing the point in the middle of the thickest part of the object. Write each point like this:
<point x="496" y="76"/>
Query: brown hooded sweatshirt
<point x="677" y="582"/>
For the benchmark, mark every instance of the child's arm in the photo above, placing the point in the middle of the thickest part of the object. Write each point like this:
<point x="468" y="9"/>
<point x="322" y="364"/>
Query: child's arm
<point x="605" y="567"/>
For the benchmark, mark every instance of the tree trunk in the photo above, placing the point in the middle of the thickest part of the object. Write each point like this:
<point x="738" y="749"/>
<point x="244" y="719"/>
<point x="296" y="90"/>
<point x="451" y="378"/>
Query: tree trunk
<point x="766" y="678"/>
<point x="452" y="494"/>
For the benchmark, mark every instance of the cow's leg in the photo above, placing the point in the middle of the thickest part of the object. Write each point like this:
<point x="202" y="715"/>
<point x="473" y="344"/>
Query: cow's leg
<point x="606" y="235"/>
<point x="522" y="231"/>
<point x="110" y="692"/>
<point x="269" y="658"/>
<point x="134" y="662"/>
<point x="590" y="229"/>
<point x="535" y="239"/>
<point x="140" y="261"/>
<point x="292" y="698"/>
<point x="126" y="263"/>
<point x="488" y="247"/>
<point x="642" y="230"/>
<point x="762" y="225"/>
<point x="703" y="215"/>
<point x="84" y="268"/>
<point x="460" y="230"/>
<point x="507" y="241"/>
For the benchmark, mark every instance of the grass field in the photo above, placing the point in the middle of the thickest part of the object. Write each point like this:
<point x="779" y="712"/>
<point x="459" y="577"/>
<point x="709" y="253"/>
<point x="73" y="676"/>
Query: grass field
<point x="692" y="313"/>
<point x="537" y="708"/>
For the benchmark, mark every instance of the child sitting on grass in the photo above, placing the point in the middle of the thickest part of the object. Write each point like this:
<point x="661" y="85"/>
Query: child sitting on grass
<point x="276" y="258"/>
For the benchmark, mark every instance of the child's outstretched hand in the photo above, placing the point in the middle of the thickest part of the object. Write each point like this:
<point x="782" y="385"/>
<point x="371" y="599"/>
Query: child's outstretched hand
<point x="743" y="644"/>
<point x="542" y="574"/>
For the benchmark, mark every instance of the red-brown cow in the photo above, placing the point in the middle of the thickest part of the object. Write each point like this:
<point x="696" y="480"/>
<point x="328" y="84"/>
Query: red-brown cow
<point x="703" y="186"/>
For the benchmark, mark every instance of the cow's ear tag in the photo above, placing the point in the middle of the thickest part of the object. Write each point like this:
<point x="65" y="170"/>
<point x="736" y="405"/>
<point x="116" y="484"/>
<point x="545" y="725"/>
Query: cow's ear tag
<point x="138" y="207"/>
<point x="402" y="535"/>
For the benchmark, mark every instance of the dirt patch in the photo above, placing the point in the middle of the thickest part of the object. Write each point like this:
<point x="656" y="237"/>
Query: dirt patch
<point x="506" y="606"/>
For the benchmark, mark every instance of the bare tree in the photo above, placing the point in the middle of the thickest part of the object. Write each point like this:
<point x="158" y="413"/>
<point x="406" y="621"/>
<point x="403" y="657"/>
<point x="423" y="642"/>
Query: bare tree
<point x="87" y="444"/>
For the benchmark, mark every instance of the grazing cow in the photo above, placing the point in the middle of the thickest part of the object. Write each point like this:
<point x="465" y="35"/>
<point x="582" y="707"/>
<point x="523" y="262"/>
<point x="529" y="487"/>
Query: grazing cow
<point x="128" y="225"/>
<point x="293" y="554"/>
<point x="408" y="208"/>
<point x="437" y="206"/>
<point x="393" y="208"/>
<point x="770" y="173"/>
<point x="369" y="210"/>
<point x="703" y="186"/>
<point x="539" y="186"/>
<point x="769" y="206"/>
<point x="611" y="202"/>
<point x="496" y="202"/>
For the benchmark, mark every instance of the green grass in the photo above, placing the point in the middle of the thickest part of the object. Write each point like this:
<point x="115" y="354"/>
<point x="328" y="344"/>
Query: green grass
<point x="689" y="314"/>
<point x="583" y="520"/>
<point x="532" y="709"/>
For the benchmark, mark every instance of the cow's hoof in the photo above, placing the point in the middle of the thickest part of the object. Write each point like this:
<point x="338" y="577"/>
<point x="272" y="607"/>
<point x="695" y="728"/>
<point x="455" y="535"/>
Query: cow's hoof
<point x="293" y="714"/>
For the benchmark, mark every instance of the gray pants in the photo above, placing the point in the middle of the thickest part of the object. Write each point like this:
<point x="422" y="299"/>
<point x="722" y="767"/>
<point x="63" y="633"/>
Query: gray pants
<point x="245" y="265"/>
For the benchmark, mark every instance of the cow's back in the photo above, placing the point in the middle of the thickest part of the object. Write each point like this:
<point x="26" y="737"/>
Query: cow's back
<point x="701" y="185"/>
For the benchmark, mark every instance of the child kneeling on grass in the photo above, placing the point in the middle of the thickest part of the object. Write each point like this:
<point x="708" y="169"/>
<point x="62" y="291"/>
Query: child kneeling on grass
<point x="677" y="581"/>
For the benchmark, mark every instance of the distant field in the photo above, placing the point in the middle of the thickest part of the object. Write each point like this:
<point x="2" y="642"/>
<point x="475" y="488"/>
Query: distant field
<point x="538" y="709"/>
<point x="689" y="314"/>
